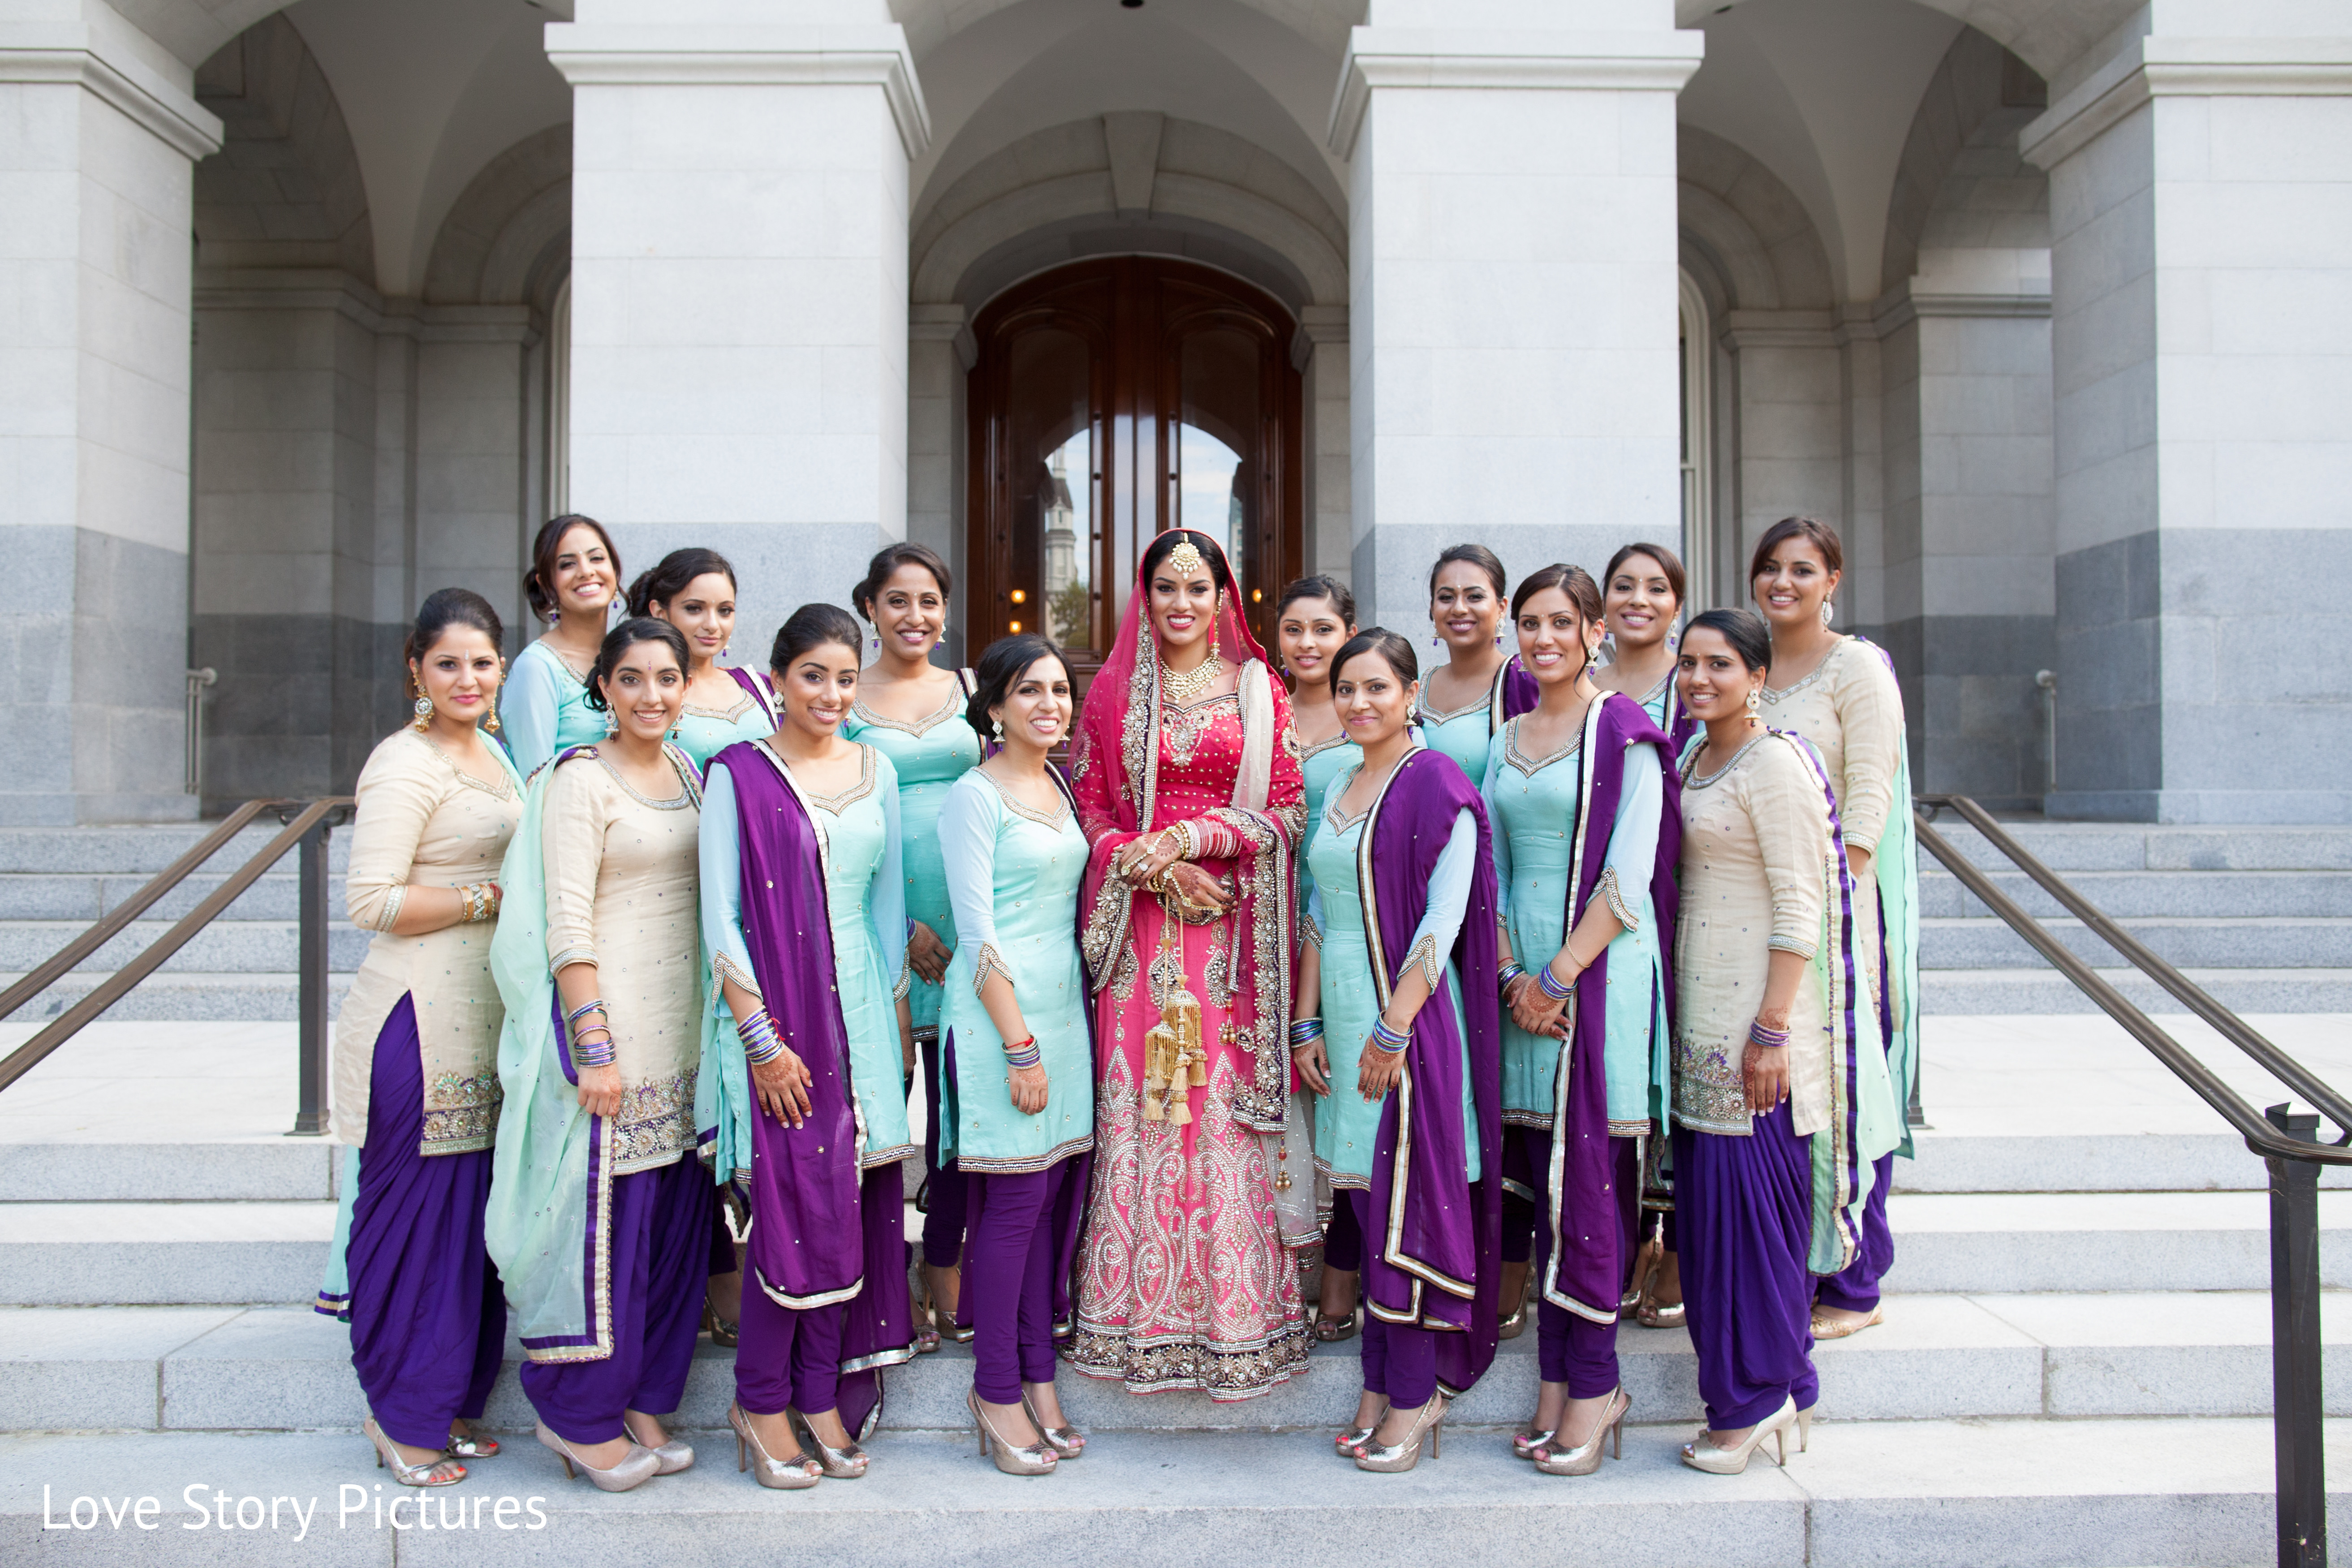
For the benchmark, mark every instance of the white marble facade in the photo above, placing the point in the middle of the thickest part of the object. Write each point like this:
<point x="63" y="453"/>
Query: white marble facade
<point x="2045" y="304"/>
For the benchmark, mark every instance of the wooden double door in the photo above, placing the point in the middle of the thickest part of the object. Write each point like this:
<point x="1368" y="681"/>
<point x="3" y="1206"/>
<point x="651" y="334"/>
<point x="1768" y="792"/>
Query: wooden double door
<point x="1110" y="400"/>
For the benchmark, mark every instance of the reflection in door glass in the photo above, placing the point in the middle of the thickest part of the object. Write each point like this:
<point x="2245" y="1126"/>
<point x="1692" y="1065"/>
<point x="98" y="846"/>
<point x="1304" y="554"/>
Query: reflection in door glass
<point x="1216" y="433"/>
<point x="1208" y="501"/>
<point x="1066" y="513"/>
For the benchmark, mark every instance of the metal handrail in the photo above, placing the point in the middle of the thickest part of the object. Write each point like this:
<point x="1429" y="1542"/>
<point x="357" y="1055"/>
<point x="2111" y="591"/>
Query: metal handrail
<point x="2261" y="1136"/>
<point x="307" y="826"/>
<point x="130" y="909"/>
<point x="2287" y="1141"/>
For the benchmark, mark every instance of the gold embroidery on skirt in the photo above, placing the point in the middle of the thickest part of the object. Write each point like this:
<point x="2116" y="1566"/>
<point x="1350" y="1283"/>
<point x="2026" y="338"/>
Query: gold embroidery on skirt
<point x="1175" y="1060"/>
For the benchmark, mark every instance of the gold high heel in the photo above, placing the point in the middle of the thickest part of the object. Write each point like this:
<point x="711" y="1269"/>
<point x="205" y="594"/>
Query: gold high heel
<point x="1586" y="1459"/>
<point x="440" y="1471"/>
<point x="846" y="1463"/>
<point x="790" y="1475"/>
<point x="1352" y="1442"/>
<point x="633" y="1469"/>
<point x="1067" y="1442"/>
<point x="671" y="1458"/>
<point x="1831" y="1329"/>
<point x="1396" y="1457"/>
<point x="1037" y="1459"/>
<point x="1649" y="1314"/>
<point x="1702" y="1454"/>
<point x="1647" y="1262"/>
<point x="1805" y="1426"/>
<point x="1524" y="1444"/>
<point x="1515" y="1322"/>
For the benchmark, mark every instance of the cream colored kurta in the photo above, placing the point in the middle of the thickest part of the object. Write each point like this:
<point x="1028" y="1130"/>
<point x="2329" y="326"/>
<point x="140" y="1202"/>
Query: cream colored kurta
<point x="423" y="823"/>
<point x="1852" y="710"/>
<point x="1755" y="860"/>
<point x="623" y="893"/>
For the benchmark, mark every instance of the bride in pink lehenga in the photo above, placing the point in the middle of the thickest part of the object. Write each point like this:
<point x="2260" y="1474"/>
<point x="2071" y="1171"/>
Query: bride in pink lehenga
<point x="1186" y="773"/>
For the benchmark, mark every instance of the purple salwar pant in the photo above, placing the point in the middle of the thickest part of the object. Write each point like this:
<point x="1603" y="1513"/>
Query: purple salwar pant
<point x="1399" y="1359"/>
<point x="1010" y="1279"/>
<point x="1745" y="1213"/>
<point x="428" y="1316"/>
<point x="788" y="1356"/>
<point x="945" y="1196"/>
<point x="660" y="1263"/>
<point x="1520" y="1216"/>
<point x="1570" y="1347"/>
<point x="1856" y="1290"/>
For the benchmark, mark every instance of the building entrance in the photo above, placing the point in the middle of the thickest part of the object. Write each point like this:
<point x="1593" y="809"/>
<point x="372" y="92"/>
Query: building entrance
<point x="1110" y="400"/>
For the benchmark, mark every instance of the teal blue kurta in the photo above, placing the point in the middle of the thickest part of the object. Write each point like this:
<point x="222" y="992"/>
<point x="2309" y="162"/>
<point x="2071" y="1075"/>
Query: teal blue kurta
<point x="703" y="733"/>
<point x="543" y="709"/>
<point x="929" y="755"/>
<point x="1532" y="803"/>
<point x="868" y="920"/>
<point x="1014" y="877"/>
<point x="1346" y="1124"/>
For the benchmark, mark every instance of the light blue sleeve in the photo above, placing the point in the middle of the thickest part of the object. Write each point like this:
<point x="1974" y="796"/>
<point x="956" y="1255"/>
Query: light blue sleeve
<point x="527" y="710"/>
<point x="885" y="896"/>
<point x="1633" y="842"/>
<point x="721" y="854"/>
<point x="1487" y="787"/>
<point x="1449" y="897"/>
<point x="968" y="827"/>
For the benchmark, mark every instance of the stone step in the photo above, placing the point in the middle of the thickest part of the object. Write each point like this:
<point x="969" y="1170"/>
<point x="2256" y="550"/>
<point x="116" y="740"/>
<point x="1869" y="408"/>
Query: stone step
<point x="172" y="995"/>
<point x="223" y="947"/>
<point x="142" y="851"/>
<point x="97" y="1253"/>
<point x="2192" y="942"/>
<point x="2042" y="991"/>
<point x="1924" y="1494"/>
<point x="2097" y="1241"/>
<point x="83" y="898"/>
<point x="281" y="1170"/>
<point x="2130" y="895"/>
<point x="186" y="1368"/>
<point x="2072" y="847"/>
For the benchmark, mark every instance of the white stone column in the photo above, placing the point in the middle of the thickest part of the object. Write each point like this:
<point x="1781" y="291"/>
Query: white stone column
<point x="2200" y="195"/>
<point x="739" y="287"/>
<point x="1513" y="290"/>
<point x="98" y="135"/>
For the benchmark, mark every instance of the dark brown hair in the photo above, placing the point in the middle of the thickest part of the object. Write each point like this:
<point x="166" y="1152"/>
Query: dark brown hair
<point x="539" y="586"/>
<point x="1669" y="563"/>
<point x="1573" y="581"/>
<point x="1820" y="535"/>
<point x="1743" y="629"/>
<point x="1397" y="650"/>
<point x="1478" y="555"/>
<point x="1003" y="663"/>
<point x="1319" y="587"/>
<point x="669" y="580"/>
<point x="811" y="625"/>
<point x="621" y="640"/>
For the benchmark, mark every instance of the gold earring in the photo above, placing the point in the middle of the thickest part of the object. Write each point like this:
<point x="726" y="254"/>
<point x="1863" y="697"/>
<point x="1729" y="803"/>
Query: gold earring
<point x="423" y="709"/>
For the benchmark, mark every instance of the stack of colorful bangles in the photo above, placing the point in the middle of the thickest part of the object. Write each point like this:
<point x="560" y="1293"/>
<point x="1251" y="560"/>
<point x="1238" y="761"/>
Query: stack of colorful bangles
<point x="1304" y="1032"/>
<point x="762" y="1044"/>
<point x="583" y="1053"/>
<point x="1557" y="990"/>
<point x="1386" y="1039"/>
<point x="1023" y="1053"/>
<point x="1770" y="1040"/>
<point x="1510" y="973"/>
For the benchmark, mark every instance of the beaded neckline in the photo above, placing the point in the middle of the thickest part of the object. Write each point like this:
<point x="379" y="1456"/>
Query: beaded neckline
<point x="1530" y="766"/>
<point x="1691" y="779"/>
<point x="1818" y="670"/>
<point x="1020" y="808"/>
<point x="919" y="727"/>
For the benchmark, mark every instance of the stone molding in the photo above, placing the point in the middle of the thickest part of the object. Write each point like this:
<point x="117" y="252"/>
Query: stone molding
<point x="172" y="116"/>
<point x="1778" y="330"/>
<point x="324" y="289"/>
<point x="1660" y="61"/>
<point x="751" y="55"/>
<point x="2156" y="68"/>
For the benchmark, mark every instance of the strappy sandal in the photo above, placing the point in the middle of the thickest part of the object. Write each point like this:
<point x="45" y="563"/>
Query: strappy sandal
<point x="440" y="1471"/>
<point x="1330" y="1331"/>
<point x="725" y="1333"/>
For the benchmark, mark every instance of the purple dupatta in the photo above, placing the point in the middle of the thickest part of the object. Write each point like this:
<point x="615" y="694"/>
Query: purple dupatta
<point x="1438" y="1258"/>
<point x="1588" y="1278"/>
<point x="814" y="1240"/>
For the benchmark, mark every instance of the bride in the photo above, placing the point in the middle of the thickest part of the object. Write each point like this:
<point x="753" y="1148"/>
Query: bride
<point x="1186" y="773"/>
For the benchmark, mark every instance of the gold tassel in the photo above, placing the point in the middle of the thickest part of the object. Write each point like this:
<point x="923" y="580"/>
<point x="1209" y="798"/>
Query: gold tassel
<point x="1173" y="1059"/>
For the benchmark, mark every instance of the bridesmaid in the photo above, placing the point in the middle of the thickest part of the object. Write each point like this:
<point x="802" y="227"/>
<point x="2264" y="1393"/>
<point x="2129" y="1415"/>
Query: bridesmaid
<point x="1313" y="618"/>
<point x="1641" y="596"/>
<point x="574" y="575"/>
<point x="600" y="1213"/>
<point x="1018" y="1046"/>
<point x="1464" y="701"/>
<point x="807" y="1100"/>
<point x="1578" y="793"/>
<point x="417" y="1097"/>
<point x="912" y="712"/>
<point x="1774" y="1052"/>
<point x="694" y="590"/>
<point x="1840" y="693"/>
<point x="1408" y="1076"/>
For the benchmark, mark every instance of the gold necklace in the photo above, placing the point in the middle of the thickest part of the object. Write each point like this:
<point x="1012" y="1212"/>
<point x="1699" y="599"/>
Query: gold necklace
<point x="1181" y="690"/>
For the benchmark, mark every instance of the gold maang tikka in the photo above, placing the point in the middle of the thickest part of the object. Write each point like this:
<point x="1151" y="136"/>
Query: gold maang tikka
<point x="1185" y="559"/>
